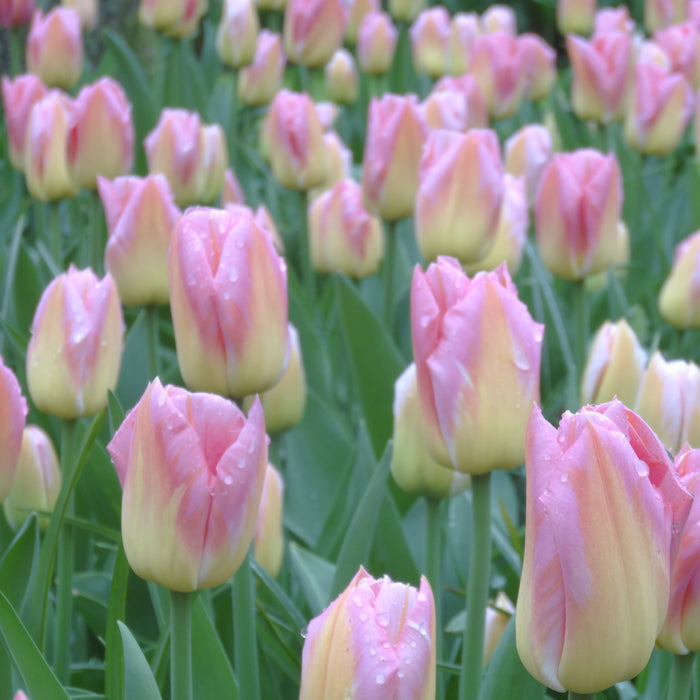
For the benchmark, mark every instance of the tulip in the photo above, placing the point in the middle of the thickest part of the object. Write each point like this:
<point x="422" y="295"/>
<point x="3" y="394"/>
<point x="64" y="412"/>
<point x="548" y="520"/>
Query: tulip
<point x="601" y="72"/>
<point x="540" y="66"/>
<point x="575" y="16"/>
<point x="477" y="354"/>
<point x="55" y="47"/>
<point x="662" y="13"/>
<point x="499" y="18"/>
<point x="313" y="30"/>
<point x="191" y="468"/>
<point x="214" y="161"/>
<point x="327" y="113"/>
<point x="45" y="164"/>
<point x="445" y="109"/>
<point x="376" y="640"/>
<point x="694" y="14"/>
<point x="339" y="162"/>
<point x="527" y="153"/>
<point x="229" y="285"/>
<point x="412" y="466"/>
<point x="577" y="208"/>
<point x="477" y="115"/>
<point x="88" y="10"/>
<point x="679" y="300"/>
<point x="406" y="10"/>
<point x="681" y="43"/>
<point x="237" y="33"/>
<point x="263" y="219"/>
<point x="376" y="43"/>
<point x="14" y="13"/>
<point x="259" y="82"/>
<point x="669" y="400"/>
<point x="613" y="19"/>
<point x="13" y="416"/>
<point x="19" y="695"/>
<point x="589" y="609"/>
<point x="430" y="40"/>
<point x="460" y="189"/>
<point x="37" y="482"/>
<point x="396" y="132"/>
<point x="268" y="539"/>
<point x="343" y="237"/>
<point x="176" y="18"/>
<point x="140" y="214"/>
<point x="232" y="192"/>
<point x="342" y="84"/>
<point x="497" y="618"/>
<point x="357" y="10"/>
<point x="100" y="134"/>
<point x="19" y="95"/>
<point x="464" y="31"/>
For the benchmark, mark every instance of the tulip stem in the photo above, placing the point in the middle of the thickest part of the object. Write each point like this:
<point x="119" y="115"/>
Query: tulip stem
<point x="244" y="634"/>
<point x="64" y="604"/>
<point x="152" y="339"/>
<point x="681" y="676"/>
<point x="477" y="588"/>
<point x="581" y="311"/>
<point x="97" y="239"/>
<point x="56" y="242"/>
<point x="433" y="568"/>
<point x="181" y="645"/>
<point x="389" y="273"/>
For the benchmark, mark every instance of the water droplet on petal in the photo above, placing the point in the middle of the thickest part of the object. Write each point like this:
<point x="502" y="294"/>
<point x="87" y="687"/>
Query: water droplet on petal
<point x="381" y="679"/>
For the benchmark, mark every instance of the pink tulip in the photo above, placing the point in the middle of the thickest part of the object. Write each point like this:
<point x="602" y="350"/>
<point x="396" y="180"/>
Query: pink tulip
<point x="55" y="47"/>
<point x="477" y="115"/>
<point x="681" y="43"/>
<point x="228" y="283"/>
<point x="75" y="351"/>
<point x="477" y="354"/>
<point x="527" y="153"/>
<point x="176" y="18"/>
<point x="89" y="11"/>
<point x="499" y="18"/>
<point x="662" y="13"/>
<point x="590" y="608"/>
<point x="577" y="208"/>
<point x="339" y="162"/>
<point x="445" y="109"/>
<point x="313" y="30"/>
<point x="613" y="19"/>
<point x="465" y="29"/>
<point x="405" y="10"/>
<point x="679" y="299"/>
<point x="268" y="539"/>
<point x="376" y="43"/>
<point x="357" y="10"/>
<point x="694" y="14"/>
<point x="13" y="416"/>
<point x="498" y="616"/>
<point x="341" y="81"/>
<point x="575" y="16"/>
<point x="237" y="33"/>
<point x="14" y="13"/>
<point x="430" y="37"/>
<point x="191" y="468"/>
<point x="259" y="82"/>
<point x="376" y="640"/>
<point x="540" y="66"/>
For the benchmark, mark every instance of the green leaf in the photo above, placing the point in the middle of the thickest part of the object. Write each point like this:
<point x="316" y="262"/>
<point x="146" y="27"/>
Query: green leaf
<point x="19" y="563"/>
<point x="315" y="576"/>
<point x="116" y="611"/>
<point x="138" y="679"/>
<point x="39" y="679"/>
<point x="278" y="592"/>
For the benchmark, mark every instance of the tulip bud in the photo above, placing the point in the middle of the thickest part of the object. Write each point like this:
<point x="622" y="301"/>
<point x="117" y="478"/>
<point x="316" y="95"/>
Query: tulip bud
<point x="601" y="479"/>
<point x="396" y="132"/>
<point x="19" y="95"/>
<point x="237" y="33"/>
<point x="343" y="237"/>
<point x="100" y="134"/>
<point x="464" y="31"/>
<point x="192" y="470"/>
<point x="375" y="640"/>
<point x="268" y="540"/>
<point x="55" y="47"/>
<point x="460" y="188"/>
<point x="87" y="9"/>
<point x="19" y="695"/>
<point x="613" y="19"/>
<point x="341" y="80"/>
<point x="176" y="18"/>
<point x="430" y="40"/>
<point x="357" y="10"/>
<point x="232" y="192"/>
<point x="327" y="113"/>
<point x="540" y="66"/>
<point x="227" y="282"/>
<point x="140" y="215"/>
<point x="577" y="209"/>
<point x="477" y="353"/>
<point x="14" y="13"/>
<point x="445" y="109"/>
<point x="13" y="416"/>
<point x="477" y="115"/>
<point x="75" y="350"/>
<point x="376" y="43"/>
<point x="37" y="482"/>
<point x="679" y="300"/>
<point x="259" y="82"/>
<point x="339" y="161"/>
<point x="499" y="18"/>
<point x="662" y="13"/>
<point x="497" y="618"/>
<point x="615" y="365"/>
<point x="527" y="153"/>
<point x="412" y="465"/>
<point x="45" y="165"/>
<point x="406" y="10"/>
<point x="575" y="16"/>
<point x="681" y="43"/>
<point x="313" y="30"/>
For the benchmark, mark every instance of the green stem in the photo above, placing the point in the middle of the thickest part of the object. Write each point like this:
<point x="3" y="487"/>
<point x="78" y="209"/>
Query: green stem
<point x="244" y="635"/>
<point x="56" y="236"/>
<point x="477" y="588"/>
<point x="64" y="605"/>
<point x="181" y="645"/>
<point x="16" y="52"/>
<point x="389" y="264"/>
<point x="152" y="339"/>
<point x="681" y="676"/>
<point x="433" y="569"/>
<point x="304" y="79"/>
<point x="308" y="276"/>
<point x="581" y="313"/>
<point x="97" y="240"/>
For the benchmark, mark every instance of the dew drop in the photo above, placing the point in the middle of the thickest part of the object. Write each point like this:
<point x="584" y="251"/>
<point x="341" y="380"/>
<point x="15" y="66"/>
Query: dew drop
<point x="383" y="619"/>
<point x="358" y="601"/>
<point x="363" y="617"/>
<point x="400" y="673"/>
<point x="228" y="480"/>
<point x="372" y="652"/>
<point x="233" y="275"/>
<point x="381" y="679"/>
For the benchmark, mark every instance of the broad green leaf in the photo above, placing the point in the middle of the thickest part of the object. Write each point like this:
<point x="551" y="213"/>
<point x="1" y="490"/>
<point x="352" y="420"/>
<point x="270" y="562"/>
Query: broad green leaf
<point x="279" y="593"/>
<point x="138" y="679"/>
<point x="315" y="576"/>
<point x="116" y="610"/>
<point x="19" y="563"/>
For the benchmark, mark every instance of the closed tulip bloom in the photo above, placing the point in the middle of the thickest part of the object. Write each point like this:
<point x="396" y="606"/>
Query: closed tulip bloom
<point x="89" y="11"/>
<point x="213" y="161"/>
<point x="357" y="9"/>
<point x="679" y="300"/>
<point x="268" y="540"/>
<point x="601" y="75"/>
<point x="313" y="30"/>
<point x="613" y="19"/>
<point x="140" y="214"/>
<point x="465" y="29"/>
<point x="37" y="482"/>
<point x="396" y="132"/>
<point x="342" y="85"/>
<point x="375" y="640"/>
<point x="228" y="299"/>
<point x="45" y="164"/>
<point x="19" y="95"/>
<point x="497" y="618"/>
<point x="430" y="40"/>
<point x="477" y="114"/>
<point x="527" y="153"/>
<point x="19" y="695"/>
<point x="413" y="467"/>
<point x="55" y="47"/>
<point x="100" y="133"/>
<point x="191" y="468"/>
<point x="237" y="33"/>
<point x="669" y="400"/>
<point x="259" y="82"/>
<point x="577" y="208"/>
<point x="13" y="416"/>
<point x="406" y="10"/>
<point x="576" y="16"/>
<point x="662" y="13"/>
<point x="681" y="43"/>
<point x="477" y="353"/>
<point x="376" y="43"/>
<point x="176" y="18"/>
<point x="540" y="66"/>
<point x="339" y="160"/>
<point x="589" y="609"/>
<point x="232" y="192"/>
<point x="75" y="351"/>
<point x="445" y="109"/>
<point x="499" y="18"/>
<point x="460" y="188"/>
<point x="14" y="13"/>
